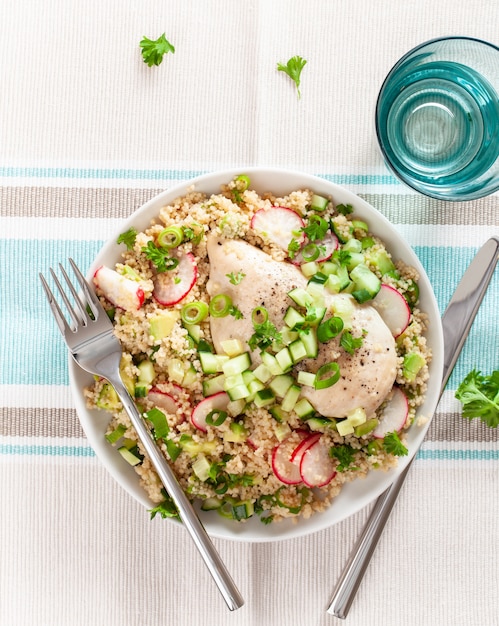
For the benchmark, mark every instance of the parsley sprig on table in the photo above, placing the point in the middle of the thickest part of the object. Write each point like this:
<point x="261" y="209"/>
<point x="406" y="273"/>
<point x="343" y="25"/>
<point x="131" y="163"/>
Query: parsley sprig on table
<point x="153" y="50"/>
<point x="293" y="69"/>
<point x="479" y="396"/>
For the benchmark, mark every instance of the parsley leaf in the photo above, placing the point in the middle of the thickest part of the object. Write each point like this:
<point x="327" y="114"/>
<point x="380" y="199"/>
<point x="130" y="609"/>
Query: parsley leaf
<point x="166" y="508"/>
<point x="235" y="279"/>
<point x="344" y="209"/>
<point x="350" y="343"/>
<point x="153" y="50"/>
<point x="479" y="396"/>
<point x="293" y="248"/>
<point x="236" y="313"/>
<point x="128" y="238"/>
<point x="159" y="256"/>
<point x="293" y="69"/>
<point x="342" y="256"/>
<point x="316" y="228"/>
<point x="345" y="456"/>
<point x="393" y="445"/>
<point x="264" y="335"/>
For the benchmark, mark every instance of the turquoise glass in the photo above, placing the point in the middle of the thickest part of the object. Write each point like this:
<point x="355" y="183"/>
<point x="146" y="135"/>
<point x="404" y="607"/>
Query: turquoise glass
<point x="437" y="119"/>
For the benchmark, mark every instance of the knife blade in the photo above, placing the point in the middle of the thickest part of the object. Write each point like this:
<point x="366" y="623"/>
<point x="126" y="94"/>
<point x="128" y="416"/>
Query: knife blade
<point x="456" y="322"/>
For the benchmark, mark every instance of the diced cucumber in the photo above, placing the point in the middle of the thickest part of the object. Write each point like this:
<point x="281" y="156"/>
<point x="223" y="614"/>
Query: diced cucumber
<point x="303" y="408"/>
<point x="280" y="384"/>
<point x="293" y="318"/>
<point x="108" y="398"/>
<point x="211" y="504"/>
<point x="288" y="335"/>
<point x="360" y="225"/>
<point x="301" y="297"/>
<point x="309" y="340"/>
<point x="321" y="423"/>
<point x="382" y="260"/>
<point x="343" y="277"/>
<point x="367" y="284"/>
<point x="357" y="417"/>
<point x="344" y="308"/>
<point x="318" y="203"/>
<point x="282" y="430"/>
<point x="309" y="269"/>
<point x="367" y="427"/>
<point x="344" y="428"/>
<point x="342" y="231"/>
<point x="242" y="510"/>
<point x="232" y="347"/>
<point x="291" y="398"/>
<point x="233" y="380"/>
<point x="146" y="372"/>
<point x="176" y="370"/>
<point x="278" y="414"/>
<point x="190" y="377"/>
<point x="236" y="407"/>
<point x="356" y="258"/>
<point x="297" y="350"/>
<point x="353" y="245"/>
<point x="316" y="291"/>
<point x="116" y="434"/>
<point x="238" y="392"/>
<point x="213" y="385"/>
<point x="201" y="467"/>
<point x="254" y="386"/>
<point x="141" y="390"/>
<point x="264" y="397"/>
<point x="262" y="373"/>
<point x="193" y="448"/>
<point x="194" y="331"/>
<point x="271" y="363"/>
<point x="237" y="364"/>
<point x="329" y="267"/>
<point x="283" y="358"/>
<point x="130" y="452"/>
<point x="212" y="363"/>
<point x="237" y="433"/>
<point x="333" y="283"/>
<point x="305" y="378"/>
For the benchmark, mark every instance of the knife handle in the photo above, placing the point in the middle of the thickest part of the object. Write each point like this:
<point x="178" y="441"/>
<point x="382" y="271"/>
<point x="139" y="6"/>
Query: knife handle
<point x="458" y="318"/>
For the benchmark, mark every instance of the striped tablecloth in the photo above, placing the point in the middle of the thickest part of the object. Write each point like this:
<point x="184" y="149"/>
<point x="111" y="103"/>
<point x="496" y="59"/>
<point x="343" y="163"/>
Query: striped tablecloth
<point x="88" y="133"/>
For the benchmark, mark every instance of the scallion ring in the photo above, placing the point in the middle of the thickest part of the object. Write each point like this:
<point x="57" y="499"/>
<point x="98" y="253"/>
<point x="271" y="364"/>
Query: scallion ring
<point x="194" y="312"/>
<point x="216" y="417"/>
<point x="310" y="252"/>
<point x="242" y="178"/>
<point x="171" y="237"/>
<point x="220" y="305"/>
<point x="329" y="329"/>
<point x="259" y="315"/>
<point x="327" y="375"/>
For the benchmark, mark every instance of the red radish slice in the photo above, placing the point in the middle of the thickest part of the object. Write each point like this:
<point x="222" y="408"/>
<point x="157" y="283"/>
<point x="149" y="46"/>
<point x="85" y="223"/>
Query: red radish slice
<point x="167" y="402"/>
<point x="327" y="245"/>
<point x="172" y="286"/>
<point x="121" y="291"/>
<point x="393" y="308"/>
<point x="279" y="225"/>
<point x="317" y="468"/>
<point x="394" y="415"/>
<point x="302" y="447"/>
<point x="216" y="402"/>
<point x="286" y="470"/>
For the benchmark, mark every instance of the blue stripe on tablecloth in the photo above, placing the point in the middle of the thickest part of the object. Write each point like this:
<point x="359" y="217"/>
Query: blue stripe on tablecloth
<point x="441" y="454"/>
<point x="85" y="173"/>
<point x="33" y="352"/>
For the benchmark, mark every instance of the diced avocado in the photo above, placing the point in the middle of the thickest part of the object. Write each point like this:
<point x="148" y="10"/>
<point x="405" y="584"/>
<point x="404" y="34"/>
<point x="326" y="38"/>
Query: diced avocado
<point x="367" y="427"/>
<point x="413" y="363"/>
<point x="161" y="325"/>
<point x="108" y="398"/>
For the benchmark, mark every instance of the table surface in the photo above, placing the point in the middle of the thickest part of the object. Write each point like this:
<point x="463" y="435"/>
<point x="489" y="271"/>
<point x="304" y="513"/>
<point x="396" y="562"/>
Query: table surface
<point x="88" y="133"/>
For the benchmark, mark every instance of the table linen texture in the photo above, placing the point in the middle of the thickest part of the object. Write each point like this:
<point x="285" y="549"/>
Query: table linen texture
<point x="88" y="133"/>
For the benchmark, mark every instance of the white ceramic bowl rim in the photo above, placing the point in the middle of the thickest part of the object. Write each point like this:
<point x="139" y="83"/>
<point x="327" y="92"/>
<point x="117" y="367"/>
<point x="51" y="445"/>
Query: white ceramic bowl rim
<point x="354" y="496"/>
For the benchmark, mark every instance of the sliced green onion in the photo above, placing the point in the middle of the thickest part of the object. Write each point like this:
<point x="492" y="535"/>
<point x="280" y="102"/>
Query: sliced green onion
<point x="242" y="178"/>
<point x="310" y="252"/>
<point x="216" y="417"/>
<point x="220" y="305"/>
<point x="327" y="375"/>
<point x="329" y="329"/>
<point x="194" y="312"/>
<point x="159" y="423"/>
<point x="259" y="315"/>
<point x="171" y="237"/>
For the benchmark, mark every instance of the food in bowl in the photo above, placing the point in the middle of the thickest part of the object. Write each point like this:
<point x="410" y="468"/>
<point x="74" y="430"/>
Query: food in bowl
<point x="275" y="348"/>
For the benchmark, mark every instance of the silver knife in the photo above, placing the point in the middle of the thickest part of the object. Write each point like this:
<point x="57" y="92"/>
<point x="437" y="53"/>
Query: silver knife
<point x="456" y="322"/>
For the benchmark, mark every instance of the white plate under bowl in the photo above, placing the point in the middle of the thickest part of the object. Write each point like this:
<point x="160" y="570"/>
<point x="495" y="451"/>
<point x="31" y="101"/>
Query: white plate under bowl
<point x="354" y="496"/>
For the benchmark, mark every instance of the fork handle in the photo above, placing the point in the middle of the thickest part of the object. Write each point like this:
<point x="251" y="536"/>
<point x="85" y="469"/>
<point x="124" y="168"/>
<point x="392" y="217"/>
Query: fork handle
<point x="188" y="516"/>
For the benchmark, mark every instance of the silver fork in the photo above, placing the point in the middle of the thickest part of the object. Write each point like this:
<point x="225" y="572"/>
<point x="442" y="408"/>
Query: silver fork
<point x="97" y="350"/>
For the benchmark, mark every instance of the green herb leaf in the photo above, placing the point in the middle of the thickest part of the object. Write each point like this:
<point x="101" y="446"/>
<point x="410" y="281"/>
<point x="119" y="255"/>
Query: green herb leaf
<point x="153" y="50"/>
<point x="235" y="279"/>
<point x="350" y="343"/>
<point x="293" y="248"/>
<point x="345" y="456"/>
<point x="479" y="396"/>
<point x="166" y="508"/>
<point x="159" y="256"/>
<point x="236" y="313"/>
<point x="293" y="69"/>
<point x="393" y="445"/>
<point x="128" y="238"/>
<point x="316" y="228"/>
<point x="264" y="335"/>
<point x="344" y="209"/>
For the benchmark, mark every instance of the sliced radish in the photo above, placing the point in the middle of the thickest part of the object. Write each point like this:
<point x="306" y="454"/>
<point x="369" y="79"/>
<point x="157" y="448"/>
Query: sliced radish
<point x="393" y="308"/>
<point x="327" y="245"/>
<point x="394" y="415"/>
<point x="216" y="402"/>
<point x="172" y="286"/>
<point x="166" y="401"/>
<point x="279" y="225"/>
<point x="317" y="468"/>
<point x="287" y="471"/>
<point x="121" y="291"/>
<point x="302" y="447"/>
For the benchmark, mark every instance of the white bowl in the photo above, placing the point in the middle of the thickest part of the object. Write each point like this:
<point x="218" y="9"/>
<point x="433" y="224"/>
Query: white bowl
<point x="354" y="496"/>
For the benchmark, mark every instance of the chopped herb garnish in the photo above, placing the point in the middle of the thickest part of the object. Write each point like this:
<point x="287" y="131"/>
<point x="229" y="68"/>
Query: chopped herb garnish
<point x="236" y="313"/>
<point x="293" y="69"/>
<point x="153" y="50"/>
<point x="350" y="343"/>
<point x="342" y="256"/>
<point x="344" y="209"/>
<point x="344" y="454"/>
<point x="128" y="238"/>
<point x="293" y="248"/>
<point x="316" y="228"/>
<point x="393" y="445"/>
<point x="166" y="508"/>
<point x="265" y="334"/>
<point x="159" y="256"/>
<point x="479" y="396"/>
<point x="235" y="279"/>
